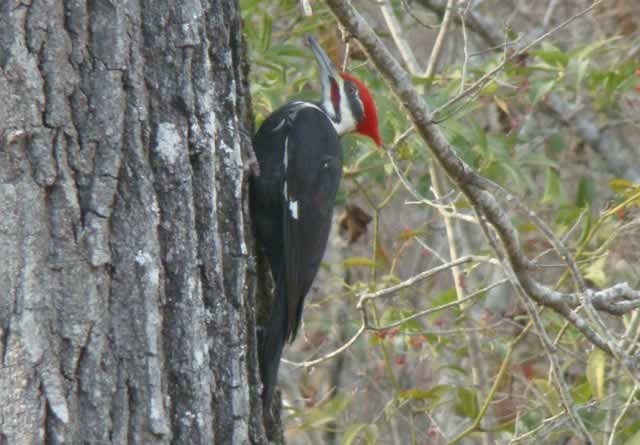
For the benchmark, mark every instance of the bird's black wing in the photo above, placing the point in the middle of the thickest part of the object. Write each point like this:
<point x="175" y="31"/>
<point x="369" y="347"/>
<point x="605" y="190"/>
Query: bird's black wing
<point x="266" y="204"/>
<point x="312" y="177"/>
<point x="266" y="199"/>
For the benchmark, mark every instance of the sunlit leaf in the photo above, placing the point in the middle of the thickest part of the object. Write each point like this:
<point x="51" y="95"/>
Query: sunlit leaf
<point x="552" y="192"/>
<point x="434" y="393"/>
<point x="633" y="428"/>
<point x="581" y="392"/>
<point x="586" y="52"/>
<point x="359" y="261"/>
<point x="596" y="273"/>
<point x="552" y="55"/>
<point x="527" y="227"/>
<point x="620" y="185"/>
<point x="596" y="367"/>
<point x="266" y="32"/>
<point x="633" y="440"/>
<point x="539" y="89"/>
<point x="363" y="431"/>
<point x="549" y="392"/>
<point x="467" y="403"/>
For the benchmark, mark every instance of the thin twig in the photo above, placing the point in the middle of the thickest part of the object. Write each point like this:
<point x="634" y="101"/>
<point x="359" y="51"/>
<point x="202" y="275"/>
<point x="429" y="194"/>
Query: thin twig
<point x="437" y="45"/>
<point x="396" y="33"/>
<point x="625" y="408"/>
<point x="420" y="277"/>
<point x="330" y="355"/>
<point x="438" y="309"/>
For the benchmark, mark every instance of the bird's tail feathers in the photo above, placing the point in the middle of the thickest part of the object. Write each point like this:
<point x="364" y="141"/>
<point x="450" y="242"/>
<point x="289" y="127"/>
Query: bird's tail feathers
<point x="273" y="343"/>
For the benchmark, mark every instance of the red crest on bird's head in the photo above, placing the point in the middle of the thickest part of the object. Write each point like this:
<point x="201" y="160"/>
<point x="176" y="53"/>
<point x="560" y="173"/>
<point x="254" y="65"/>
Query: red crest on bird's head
<point x="368" y="126"/>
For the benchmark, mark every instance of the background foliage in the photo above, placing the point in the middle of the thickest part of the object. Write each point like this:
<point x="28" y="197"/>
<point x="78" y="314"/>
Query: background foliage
<point x="425" y="380"/>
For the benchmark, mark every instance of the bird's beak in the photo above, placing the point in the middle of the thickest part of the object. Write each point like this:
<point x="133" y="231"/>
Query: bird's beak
<point x="326" y="66"/>
<point x="328" y="72"/>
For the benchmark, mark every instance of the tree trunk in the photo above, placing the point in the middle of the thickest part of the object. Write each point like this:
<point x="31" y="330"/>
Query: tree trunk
<point x="127" y="297"/>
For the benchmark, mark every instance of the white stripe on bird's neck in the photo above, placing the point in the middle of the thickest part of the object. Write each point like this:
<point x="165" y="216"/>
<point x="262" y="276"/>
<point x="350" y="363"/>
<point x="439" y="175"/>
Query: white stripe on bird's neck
<point x="347" y="121"/>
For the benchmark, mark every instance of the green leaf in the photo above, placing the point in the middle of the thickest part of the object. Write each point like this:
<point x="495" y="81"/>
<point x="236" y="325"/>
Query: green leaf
<point x="634" y="428"/>
<point x="527" y="227"/>
<point x="586" y="226"/>
<point x="265" y="40"/>
<point x="622" y="186"/>
<point x="552" y="191"/>
<point x="633" y="440"/>
<point x="595" y="272"/>
<point x="446" y="297"/>
<point x="359" y="261"/>
<point x="550" y="394"/>
<point x="368" y="432"/>
<point x="511" y="33"/>
<point x="581" y="392"/>
<point x="455" y="368"/>
<point x="556" y="144"/>
<point x="586" y="191"/>
<point x="319" y="416"/>
<point x="434" y="393"/>
<point x="538" y="161"/>
<point x="552" y="55"/>
<point x="287" y="50"/>
<point x="596" y="367"/>
<point x="467" y="403"/>
<point x="539" y="89"/>
<point x="392" y="315"/>
<point x="581" y="72"/>
<point x="586" y="51"/>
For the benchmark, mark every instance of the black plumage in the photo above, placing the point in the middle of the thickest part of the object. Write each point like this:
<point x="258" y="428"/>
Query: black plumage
<point x="292" y="200"/>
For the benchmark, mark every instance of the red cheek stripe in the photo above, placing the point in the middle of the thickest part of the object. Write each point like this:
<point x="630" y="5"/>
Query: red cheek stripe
<point x="369" y="125"/>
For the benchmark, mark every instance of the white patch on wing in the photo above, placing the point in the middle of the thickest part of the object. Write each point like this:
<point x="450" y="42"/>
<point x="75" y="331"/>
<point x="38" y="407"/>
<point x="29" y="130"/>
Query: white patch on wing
<point x="284" y="191"/>
<point x="293" y="208"/>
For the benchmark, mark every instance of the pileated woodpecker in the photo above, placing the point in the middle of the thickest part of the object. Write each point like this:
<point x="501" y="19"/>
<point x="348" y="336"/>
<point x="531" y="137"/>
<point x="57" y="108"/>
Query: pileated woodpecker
<point x="300" y="162"/>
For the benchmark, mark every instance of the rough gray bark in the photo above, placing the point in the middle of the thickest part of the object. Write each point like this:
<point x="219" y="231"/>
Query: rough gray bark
<point x="126" y="304"/>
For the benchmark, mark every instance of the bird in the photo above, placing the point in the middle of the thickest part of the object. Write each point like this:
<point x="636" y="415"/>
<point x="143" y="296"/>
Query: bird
<point x="299" y="159"/>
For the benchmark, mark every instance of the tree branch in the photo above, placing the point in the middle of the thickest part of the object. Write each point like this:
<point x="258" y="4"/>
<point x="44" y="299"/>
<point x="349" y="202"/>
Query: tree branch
<point x="470" y="183"/>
